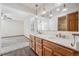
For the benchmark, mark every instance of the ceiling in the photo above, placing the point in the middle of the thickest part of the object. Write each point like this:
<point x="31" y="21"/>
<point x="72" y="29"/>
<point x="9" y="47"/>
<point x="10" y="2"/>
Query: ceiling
<point x="30" y="7"/>
<point x="22" y="10"/>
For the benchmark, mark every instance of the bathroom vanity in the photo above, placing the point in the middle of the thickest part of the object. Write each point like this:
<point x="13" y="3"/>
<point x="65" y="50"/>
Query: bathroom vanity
<point x="43" y="45"/>
<point x="49" y="45"/>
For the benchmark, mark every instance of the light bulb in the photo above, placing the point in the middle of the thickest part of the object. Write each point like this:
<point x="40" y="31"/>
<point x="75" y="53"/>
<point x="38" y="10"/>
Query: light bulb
<point x="57" y="9"/>
<point x="65" y="9"/>
<point x="36" y="16"/>
<point x="2" y="17"/>
<point x="50" y="15"/>
<point x="43" y="12"/>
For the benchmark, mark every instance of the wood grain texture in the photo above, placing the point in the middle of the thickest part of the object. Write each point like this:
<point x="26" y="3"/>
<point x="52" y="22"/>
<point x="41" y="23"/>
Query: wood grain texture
<point x="54" y="49"/>
<point x="39" y="46"/>
<point x="73" y="21"/>
<point x="32" y="42"/>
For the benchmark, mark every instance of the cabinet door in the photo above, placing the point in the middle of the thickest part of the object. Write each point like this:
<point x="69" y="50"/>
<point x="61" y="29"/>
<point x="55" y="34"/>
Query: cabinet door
<point x="47" y="51"/>
<point x="33" y="46"/>
<point x="56" y="54"/>
<point x="73" y="21"/>
<point x="39" y="49"/>
<point x="32" y="43"/>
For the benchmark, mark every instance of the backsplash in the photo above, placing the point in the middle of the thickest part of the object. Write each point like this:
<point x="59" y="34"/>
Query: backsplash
<point x="64" y="34"/>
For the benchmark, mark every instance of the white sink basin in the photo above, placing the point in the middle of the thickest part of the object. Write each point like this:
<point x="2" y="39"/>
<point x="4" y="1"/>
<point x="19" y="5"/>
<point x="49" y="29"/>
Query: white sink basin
<point x="61" y="41"/>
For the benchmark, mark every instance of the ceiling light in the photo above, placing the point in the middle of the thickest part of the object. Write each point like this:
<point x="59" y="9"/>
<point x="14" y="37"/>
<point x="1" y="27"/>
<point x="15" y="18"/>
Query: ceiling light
<point x="36" y="16"/>
<point x="65" y="9"/>
<point x="50" y="15"/>
<point x="43" y="12"/>
<point x="36" y="9"/>
<point x="44" y="9"/>
<point x="57" y="9"/>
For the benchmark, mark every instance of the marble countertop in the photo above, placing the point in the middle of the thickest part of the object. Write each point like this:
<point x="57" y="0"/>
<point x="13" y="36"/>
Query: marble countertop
<point x="60" y="41"/>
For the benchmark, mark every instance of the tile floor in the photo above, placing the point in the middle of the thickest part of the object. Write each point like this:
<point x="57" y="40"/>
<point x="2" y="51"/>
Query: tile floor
<point x="27" y="51"/>
<point x="13" y="43"/>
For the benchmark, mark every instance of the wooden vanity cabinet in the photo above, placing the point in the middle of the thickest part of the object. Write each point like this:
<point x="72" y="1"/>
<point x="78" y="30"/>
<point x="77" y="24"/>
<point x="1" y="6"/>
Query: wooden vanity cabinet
<point x="53" y="49"/>
<point x="47" y="51"/>
<point x="59" y="50"/>
<point x="32" y="42"/>
<point x="72" y="21"/>
<point x="39" y="46"/>
<point x="47" y="48"/>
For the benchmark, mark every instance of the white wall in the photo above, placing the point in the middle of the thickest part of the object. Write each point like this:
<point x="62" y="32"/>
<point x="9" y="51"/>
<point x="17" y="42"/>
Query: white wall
<point x="27" y="27"/>
<point x="11" y="28"/>
<point x="53" y="24"/>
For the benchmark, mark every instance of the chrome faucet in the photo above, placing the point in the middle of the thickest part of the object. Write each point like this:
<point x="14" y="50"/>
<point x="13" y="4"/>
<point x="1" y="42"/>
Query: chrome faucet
<point x="72" y="44"/>
<point x="39" y="32"/>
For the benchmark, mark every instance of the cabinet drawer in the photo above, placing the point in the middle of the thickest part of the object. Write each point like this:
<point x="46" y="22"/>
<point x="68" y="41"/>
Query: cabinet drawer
<point x="63" y="51"/>
<point x="47" y="51"/>
<point x="48" y="44"/>
<point x="32" y="37"/>
<point x="39" y="40"/>
<point x="39" y="52"/>
<point x="38" y="45"/>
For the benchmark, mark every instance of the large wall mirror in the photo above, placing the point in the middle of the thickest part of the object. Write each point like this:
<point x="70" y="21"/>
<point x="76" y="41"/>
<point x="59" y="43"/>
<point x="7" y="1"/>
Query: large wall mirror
<point x="62" y="23"/>
<point x="68" y="22"/>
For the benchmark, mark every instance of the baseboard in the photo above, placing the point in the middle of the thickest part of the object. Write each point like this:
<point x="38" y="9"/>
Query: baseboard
<point x="26" y="37"/>
<point x="12" y="36"/>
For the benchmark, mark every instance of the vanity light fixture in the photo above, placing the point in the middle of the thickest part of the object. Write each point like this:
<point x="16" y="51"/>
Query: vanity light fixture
<point x="58" y="9"/>
<point x="36" y="6"/>
<point x="65" y="8"/>
<point x="44" y="9"/>
<point x="5" y="16"/>
<point x="43" y="12"/>
<point x="50" y="15"/>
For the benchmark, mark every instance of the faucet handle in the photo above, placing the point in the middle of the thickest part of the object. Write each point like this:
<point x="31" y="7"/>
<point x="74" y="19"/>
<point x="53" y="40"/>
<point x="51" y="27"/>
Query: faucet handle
<point x="60" y="35"/>
<point x="63" y="36"/>
<point x="56" y="35"/>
